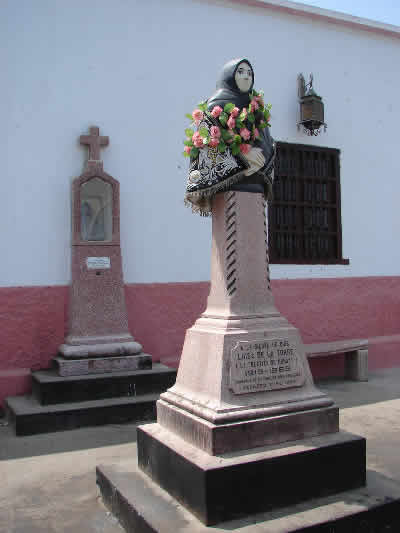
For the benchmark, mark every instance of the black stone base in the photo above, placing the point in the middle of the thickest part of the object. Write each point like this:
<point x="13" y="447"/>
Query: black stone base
<point x="49" y="388"/>
<point x="142" y="506"/>
<point x="27" y="417"/>
<point x="62" y="403"/>
<point x="226" y="487"/>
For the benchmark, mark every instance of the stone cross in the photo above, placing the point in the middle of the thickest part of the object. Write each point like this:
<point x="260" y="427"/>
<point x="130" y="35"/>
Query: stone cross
<point x="94" y="141"/>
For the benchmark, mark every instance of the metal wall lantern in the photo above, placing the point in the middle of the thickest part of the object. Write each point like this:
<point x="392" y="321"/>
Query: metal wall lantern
<point x="311" y="108"/>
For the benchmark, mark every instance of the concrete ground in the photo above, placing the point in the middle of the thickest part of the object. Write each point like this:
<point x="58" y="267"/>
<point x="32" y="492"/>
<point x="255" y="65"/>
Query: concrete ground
<point x="47" y="482"/>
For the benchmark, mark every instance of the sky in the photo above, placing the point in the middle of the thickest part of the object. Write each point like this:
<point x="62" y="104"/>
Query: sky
<point x="387" y="11"/>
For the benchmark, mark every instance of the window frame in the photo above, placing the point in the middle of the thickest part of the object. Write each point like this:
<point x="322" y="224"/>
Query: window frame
<point x="301" y="204"/>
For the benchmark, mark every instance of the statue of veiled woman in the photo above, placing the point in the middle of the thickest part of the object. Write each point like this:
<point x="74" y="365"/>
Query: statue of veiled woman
<point x="245" y="164"/>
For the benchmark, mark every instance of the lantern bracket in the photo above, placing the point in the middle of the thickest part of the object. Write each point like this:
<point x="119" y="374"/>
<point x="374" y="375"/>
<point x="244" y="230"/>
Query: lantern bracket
<point x="311" y="118"/>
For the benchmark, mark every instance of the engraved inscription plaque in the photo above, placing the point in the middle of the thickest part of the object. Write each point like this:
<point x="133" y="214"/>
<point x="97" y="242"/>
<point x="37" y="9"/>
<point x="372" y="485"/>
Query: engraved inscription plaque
<point x="98" y="263"/>
<point x="265" y="365"/>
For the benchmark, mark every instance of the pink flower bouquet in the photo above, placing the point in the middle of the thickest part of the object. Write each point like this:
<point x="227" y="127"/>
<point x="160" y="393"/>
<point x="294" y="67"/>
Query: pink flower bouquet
<point x="237" y="128"/>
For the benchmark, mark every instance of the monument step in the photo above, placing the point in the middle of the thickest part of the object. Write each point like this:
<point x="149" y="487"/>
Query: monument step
<point x="49" y="388"/>
<point x="142" y="506"/>
<point x="234" y="485"/>
<point x="28" y="417"/>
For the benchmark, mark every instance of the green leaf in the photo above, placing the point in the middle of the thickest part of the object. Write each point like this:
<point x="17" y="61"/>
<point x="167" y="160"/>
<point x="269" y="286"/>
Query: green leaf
<point x="188" y="142"/>
<point x="251" y="118"/>
<point x="237" y="139"/>
<point x="225" y="135"/>
<point x="242" y="116"/>
<point x="228" y="107"/>
<point x="194" y="152"/>
<point x="235" y="149"/>
<point x="185" y="154"/>
<point x="221" y="147"/>
<point x="262" y="125"/>
<point x="223" y="118"/>
<point x="206" y="139"/>
<point x="202" y="106"/>
<point x="189" y="132"/>
<point x="187" y="115"/>
<point x="239" y="124"/>
<point x="203" y="132"/>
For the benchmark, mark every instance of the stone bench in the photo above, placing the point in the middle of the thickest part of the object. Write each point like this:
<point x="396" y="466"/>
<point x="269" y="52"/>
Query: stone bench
<point x="355" y="351"/>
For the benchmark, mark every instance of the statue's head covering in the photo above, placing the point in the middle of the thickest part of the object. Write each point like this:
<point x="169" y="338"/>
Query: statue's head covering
<point x="210" y="175"/>
<point x="227" y="89"/>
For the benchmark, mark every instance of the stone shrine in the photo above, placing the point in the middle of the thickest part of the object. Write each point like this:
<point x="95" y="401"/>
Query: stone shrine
<point x="98" y="339"/>
<point x="101" y="374"/>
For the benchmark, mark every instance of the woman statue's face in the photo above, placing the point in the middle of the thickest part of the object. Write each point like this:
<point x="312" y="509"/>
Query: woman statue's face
<point x="244" y="77"/>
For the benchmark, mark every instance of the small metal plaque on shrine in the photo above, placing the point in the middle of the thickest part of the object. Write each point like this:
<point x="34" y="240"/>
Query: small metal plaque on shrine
<point x="264" y="365"/>
<point x="97" y="263"/>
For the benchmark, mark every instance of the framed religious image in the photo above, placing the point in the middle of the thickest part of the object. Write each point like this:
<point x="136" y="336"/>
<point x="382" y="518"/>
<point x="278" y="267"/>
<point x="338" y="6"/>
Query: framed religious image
<point x="96" y="210"/>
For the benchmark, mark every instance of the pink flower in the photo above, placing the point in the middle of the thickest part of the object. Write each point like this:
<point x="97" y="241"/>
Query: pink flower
<point x="254" y="105"/>
<point x="197" y="116"/>
<point x="235" y="112"/>
<point x="217" y="110"/>
<point x="231" y="122"/>
<point x="256" y="133"/>
<point x="245" y="148"/>
<point x="245" y="134"/>
<point x="197" y="140"/>
<point x="214" y="142"/>
<point x="215" y="132"/>
<point x="188" y="149"/>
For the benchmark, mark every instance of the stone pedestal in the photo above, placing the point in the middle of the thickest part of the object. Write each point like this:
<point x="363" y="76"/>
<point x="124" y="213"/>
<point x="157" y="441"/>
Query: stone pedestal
<point x="243" y="366"/>
<point x="244" y="383"/>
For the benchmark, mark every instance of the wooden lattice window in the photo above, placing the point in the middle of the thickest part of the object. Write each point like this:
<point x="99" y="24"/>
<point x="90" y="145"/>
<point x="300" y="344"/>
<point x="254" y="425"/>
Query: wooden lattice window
<point x="304" y="217"/>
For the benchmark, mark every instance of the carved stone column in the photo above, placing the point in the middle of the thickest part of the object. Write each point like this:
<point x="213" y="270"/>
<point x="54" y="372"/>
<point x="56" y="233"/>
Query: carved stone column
<point x="242" y="362"/>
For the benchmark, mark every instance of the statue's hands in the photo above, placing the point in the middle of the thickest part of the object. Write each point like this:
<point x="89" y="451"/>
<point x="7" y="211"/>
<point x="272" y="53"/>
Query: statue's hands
<point x="255" y="159"/>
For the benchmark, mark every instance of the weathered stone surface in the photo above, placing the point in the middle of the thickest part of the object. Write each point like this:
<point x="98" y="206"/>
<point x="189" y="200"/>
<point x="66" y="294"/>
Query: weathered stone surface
<point x="242" y="435"/>
<point x="100" y="350"/>
<point x="100" y="365"/>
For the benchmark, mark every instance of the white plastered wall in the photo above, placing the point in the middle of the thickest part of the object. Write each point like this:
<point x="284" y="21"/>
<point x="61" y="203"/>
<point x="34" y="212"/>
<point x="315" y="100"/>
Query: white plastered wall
<point x="134" y="69"/>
